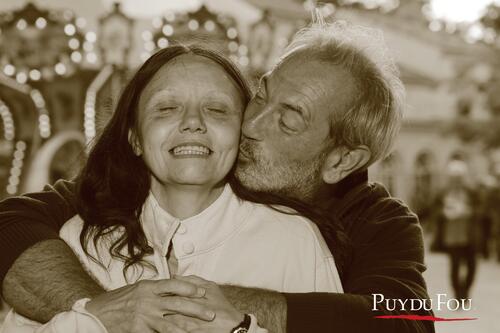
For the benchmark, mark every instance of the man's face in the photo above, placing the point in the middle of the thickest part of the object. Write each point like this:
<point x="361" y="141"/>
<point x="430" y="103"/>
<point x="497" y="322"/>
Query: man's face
<point x="286" y="128"/>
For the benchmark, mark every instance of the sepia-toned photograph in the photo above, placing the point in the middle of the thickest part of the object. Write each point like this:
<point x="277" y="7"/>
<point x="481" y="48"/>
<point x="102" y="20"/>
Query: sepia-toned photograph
<point x="234" y="166"/>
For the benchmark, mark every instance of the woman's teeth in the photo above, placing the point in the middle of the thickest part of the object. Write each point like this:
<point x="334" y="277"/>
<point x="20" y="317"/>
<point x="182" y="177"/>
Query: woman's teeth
<point x="191" y="150"/>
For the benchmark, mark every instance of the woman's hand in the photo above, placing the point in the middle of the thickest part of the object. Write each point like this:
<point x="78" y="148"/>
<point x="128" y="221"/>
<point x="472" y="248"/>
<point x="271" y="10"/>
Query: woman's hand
<point x="226" y="315"/>
<point x="147" y="306"/>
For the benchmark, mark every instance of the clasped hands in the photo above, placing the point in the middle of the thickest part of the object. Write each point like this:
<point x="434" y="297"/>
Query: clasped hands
<point x="179" y="305"/>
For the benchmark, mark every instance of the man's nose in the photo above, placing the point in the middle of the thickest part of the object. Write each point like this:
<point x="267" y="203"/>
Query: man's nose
<point x="254" y="122"/>
<point x="192" y="121"/>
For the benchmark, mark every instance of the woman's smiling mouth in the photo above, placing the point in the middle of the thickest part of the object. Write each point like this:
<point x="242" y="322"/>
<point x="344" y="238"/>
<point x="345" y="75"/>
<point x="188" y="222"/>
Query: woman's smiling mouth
<point x="190" y="150"/>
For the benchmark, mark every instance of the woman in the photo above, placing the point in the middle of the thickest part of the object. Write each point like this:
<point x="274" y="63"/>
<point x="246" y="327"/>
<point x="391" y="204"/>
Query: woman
<point x="157" y="197"/>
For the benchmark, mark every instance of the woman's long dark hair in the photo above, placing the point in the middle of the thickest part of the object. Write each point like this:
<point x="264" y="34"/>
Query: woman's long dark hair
<point x="114" y="183"/>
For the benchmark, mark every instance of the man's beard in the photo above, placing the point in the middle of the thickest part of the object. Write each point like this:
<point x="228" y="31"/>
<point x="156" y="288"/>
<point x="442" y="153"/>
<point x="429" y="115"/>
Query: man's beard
<point x="281" y="176"/>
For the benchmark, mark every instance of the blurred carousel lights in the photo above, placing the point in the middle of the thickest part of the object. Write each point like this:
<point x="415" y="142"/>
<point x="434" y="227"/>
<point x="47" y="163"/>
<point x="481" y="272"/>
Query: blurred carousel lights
<point x="91" y="36"/>
<point x="21" y="77"/>
<point x="76" y="56"/>
<point x="168" y="30"/>
<point x="91" y="57"/>
<point x="69" y="29"/>
<point x="81" y="22"/>
<point x="88" y="46"/>
<point x="74" y="43"/>
<point x="470" y="32"/>
<point x="232" y="33"/>
<point x="21" y="24"/>
<point x="41" y="23"/>
<point x="164" y="28"/>
<point x="475" y="33"/>
<point x="43" y="114"/>
<point x="157" y="22"/>
<point x="436" y="25"/>
<point x="60" y="68"/>
<point x="8" y="122"/>
<point x="193" y="25"/>
<point x="16" y="169"/>
<point x="35" y="75"/>
<point x="80" y="46"/>
<point x="9" y="70"/>
<point x="209" y="25"/>
<point x="162" y="42"/>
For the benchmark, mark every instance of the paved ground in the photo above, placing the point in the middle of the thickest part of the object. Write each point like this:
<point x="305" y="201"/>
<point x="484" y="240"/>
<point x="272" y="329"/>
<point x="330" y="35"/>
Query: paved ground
<point x="485" y="297"/>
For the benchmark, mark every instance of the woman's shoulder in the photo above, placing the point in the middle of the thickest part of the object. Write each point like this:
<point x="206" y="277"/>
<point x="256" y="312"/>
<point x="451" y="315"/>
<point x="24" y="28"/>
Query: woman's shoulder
<point x="282" y="218"/>
<point x="284" y="225"/>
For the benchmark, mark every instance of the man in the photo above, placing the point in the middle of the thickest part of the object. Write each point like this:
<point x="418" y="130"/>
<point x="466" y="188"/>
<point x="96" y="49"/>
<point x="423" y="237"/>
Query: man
<point x="457" y="219"/>
<point x="328" y="110"/>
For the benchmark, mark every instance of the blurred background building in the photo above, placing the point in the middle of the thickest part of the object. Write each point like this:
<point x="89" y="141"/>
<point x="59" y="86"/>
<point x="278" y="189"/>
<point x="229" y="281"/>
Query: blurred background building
<point x="63" y="64"/>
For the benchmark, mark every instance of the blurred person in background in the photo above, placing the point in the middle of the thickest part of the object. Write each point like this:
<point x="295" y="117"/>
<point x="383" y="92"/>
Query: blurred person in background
<point x="457" y="225"/>
<point x="491" y="209"/>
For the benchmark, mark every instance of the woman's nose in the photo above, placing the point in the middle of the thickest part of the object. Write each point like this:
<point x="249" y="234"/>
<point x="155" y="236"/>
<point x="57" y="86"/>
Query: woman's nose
<point x="193" y="121"/>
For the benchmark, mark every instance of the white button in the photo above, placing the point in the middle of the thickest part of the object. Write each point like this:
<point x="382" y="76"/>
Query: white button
<point x="182" y="229"/>
<point x="188" y="248"/>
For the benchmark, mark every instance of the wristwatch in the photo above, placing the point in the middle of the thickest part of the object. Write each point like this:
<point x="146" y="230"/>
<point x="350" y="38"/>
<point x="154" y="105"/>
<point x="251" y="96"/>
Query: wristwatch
<point x="244" y="326"/>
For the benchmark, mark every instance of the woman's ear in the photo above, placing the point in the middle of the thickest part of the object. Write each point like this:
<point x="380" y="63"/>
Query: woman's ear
<point x="341" y="162"/>
<point x="134" y="142"/>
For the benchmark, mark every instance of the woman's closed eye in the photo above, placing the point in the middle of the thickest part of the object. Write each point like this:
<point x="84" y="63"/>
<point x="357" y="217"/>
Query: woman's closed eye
<point x="166" y="109"/>
<point x="217" y="110"/>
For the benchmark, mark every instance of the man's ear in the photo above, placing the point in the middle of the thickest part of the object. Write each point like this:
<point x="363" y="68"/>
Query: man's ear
<point x="341" y="162"/>
<point x="134" y="142"/>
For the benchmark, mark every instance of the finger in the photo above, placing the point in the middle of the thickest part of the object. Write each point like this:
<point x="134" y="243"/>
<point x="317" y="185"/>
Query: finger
<point x="164" y="326"/>
<point x="177" y="287"/>
<point x="185" y="322"/>
<point x="187" y="307"/>
<point x="192" y="279"/>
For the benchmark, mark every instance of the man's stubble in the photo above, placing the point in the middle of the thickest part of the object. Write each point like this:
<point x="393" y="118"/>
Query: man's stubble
<point x="281" y="175"/>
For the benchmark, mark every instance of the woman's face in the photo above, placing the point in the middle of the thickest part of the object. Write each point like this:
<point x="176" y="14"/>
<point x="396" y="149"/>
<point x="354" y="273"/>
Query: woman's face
<point x="189" y="120"/>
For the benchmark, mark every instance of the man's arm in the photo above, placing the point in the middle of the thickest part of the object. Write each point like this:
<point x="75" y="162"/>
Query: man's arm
<point x="47" y="279"/>
<point x="39" y="273"/>
<point x="40" y="295"/>
<point x="388" y="258"/>
<point x="269" y="307"/>
<point x="31" y="218"/>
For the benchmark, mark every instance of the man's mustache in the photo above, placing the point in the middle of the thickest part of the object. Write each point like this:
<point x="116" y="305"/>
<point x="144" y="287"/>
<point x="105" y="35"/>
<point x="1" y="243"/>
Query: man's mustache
<point x="248" y="149"/>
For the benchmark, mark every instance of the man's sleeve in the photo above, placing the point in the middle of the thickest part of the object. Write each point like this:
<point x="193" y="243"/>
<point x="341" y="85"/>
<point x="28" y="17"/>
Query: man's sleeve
<point x="28" y="219"/>
<point x="387" y="259"/>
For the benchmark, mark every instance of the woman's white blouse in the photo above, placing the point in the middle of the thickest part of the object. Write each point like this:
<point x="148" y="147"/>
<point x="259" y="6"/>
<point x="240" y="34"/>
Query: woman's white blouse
<point x="230" y="242"/>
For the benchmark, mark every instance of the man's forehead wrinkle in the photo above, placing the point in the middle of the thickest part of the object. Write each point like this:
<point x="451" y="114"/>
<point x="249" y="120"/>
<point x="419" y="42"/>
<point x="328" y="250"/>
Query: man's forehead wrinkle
<point x="309" y="88"/>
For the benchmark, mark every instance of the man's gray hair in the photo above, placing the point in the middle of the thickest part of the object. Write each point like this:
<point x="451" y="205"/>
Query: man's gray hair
<point x="375" y="117"/>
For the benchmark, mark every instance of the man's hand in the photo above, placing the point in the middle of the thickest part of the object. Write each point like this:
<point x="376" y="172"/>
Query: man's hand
<point x="226" y="315"/>
<point x="146" y="306"/>
<point x="47" y="279"/>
